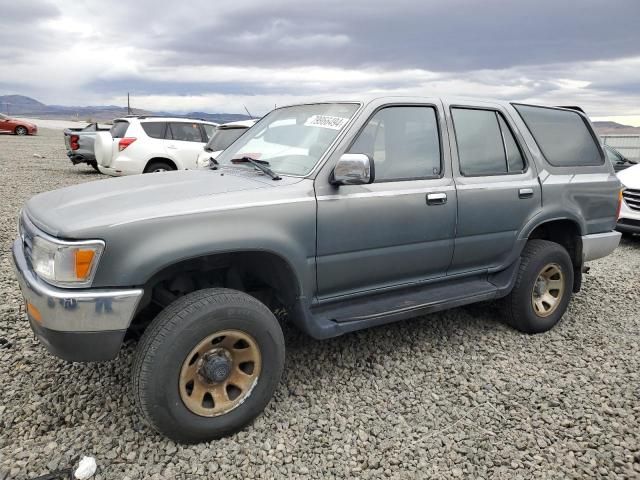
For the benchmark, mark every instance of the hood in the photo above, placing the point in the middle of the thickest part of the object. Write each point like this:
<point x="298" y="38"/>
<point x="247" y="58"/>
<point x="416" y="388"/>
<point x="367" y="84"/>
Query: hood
<point x="630" y="177"/>
<point x="68" y="212"/>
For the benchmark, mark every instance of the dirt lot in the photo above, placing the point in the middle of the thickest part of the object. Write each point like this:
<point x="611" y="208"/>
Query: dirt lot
<point x="450" y="395"/>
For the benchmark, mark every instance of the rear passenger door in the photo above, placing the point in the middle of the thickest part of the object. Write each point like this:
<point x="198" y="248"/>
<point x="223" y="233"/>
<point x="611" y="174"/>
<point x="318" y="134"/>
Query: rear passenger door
<point x="497" y="187"/>
<point x="185" y="141"/>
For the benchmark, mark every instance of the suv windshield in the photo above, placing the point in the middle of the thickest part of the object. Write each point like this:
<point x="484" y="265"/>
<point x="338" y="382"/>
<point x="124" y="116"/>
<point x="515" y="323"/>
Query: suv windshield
<point x="292" y="139"/>
<point x="223" y="137"/>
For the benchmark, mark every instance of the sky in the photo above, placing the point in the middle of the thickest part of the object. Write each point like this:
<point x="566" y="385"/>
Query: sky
<point x="204" y="55"/>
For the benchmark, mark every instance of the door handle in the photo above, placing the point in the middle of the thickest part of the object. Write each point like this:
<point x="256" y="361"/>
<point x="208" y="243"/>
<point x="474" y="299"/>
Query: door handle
<point x="525" y="193"/>
<point x="436" y="198"/>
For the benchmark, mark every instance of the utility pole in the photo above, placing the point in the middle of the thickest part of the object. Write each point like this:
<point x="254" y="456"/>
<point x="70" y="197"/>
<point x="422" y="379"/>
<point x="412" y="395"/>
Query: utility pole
<point x="128" y="105"/>
<point x="8" y="113"/>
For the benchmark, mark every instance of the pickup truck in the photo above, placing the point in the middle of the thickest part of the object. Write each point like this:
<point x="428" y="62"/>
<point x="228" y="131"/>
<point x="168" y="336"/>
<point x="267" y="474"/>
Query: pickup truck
<point x="344" y="215"/>
<point x="80" y="143"/>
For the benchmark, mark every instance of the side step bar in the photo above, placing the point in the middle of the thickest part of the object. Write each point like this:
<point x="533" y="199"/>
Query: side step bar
<point x="339" y="317"/>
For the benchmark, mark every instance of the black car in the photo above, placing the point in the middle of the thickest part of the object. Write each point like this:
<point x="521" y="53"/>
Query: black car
<point x="619" y="161"/>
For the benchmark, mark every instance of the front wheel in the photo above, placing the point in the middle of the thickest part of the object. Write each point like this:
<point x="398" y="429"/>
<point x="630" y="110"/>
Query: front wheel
<point x="208" y="365"/>
<point x="21" y="130"/>
<point x="543" y="288"/>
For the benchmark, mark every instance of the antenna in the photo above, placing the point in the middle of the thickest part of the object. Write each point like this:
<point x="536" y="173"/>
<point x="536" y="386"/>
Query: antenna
<point x="247" y="110"/>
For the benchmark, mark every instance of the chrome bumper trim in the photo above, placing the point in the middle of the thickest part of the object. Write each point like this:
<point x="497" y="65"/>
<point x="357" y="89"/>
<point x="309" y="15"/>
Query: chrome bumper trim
<point x="74" y="310"/>
<point x="599" y="245"/>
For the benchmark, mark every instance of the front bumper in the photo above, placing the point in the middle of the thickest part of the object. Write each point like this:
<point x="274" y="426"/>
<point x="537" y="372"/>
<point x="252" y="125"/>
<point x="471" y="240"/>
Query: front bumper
<point x="75" y="324"/>
<point x="629" y="219"/>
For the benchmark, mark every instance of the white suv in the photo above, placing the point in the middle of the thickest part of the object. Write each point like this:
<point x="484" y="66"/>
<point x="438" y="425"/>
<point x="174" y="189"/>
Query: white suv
<point x="629" y="217"/>
<point x="224" y="135"/>
<point x="151" y="144"/>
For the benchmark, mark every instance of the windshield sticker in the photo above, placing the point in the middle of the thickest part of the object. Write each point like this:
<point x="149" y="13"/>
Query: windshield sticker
<point x="325" y="121"/>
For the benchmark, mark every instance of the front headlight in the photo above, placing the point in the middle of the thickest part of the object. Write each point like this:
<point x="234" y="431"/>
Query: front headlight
<point x="62" y="263"/>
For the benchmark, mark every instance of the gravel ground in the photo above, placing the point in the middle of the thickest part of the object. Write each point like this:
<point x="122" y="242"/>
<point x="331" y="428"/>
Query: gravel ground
<point x="455" y="395"/>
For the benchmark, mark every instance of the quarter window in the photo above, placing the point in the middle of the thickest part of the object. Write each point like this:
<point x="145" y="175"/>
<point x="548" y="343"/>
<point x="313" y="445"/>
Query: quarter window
<point x="486" y="145"/>
<point x="404" y="143"/>
<point x="154" y="129"/>
<point x="562" y="135"/>
<point x="186" y="132"/>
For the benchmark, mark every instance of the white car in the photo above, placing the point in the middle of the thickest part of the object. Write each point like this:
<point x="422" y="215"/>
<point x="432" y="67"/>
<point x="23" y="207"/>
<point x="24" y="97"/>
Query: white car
<point x="224" y="135"/>
<point x="151" y="144"/>
<point x="629" y="219"/>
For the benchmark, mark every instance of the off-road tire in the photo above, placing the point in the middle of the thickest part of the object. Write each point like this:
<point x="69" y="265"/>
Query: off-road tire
<point x="158" y="165"/>
<point x="169" y="339"/>
<point x="517" y="307"/>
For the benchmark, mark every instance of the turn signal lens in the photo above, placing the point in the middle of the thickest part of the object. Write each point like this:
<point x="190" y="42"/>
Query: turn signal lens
<point x="34" y="312"/>
<point x="83" y="261"/>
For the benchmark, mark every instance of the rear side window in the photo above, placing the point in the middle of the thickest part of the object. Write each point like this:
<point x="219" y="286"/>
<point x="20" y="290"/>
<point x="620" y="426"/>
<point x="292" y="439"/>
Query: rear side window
<point x="186" y="132"/>
<point x="155" y="129"/>
<point x="562" y="135"/>
<point x="119" y="129"/>
<point x="404" y="143"/>
<point x="486" y="145"/>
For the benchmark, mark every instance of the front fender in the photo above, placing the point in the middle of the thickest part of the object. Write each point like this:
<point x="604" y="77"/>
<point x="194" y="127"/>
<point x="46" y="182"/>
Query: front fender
<point x="136" y="251"/>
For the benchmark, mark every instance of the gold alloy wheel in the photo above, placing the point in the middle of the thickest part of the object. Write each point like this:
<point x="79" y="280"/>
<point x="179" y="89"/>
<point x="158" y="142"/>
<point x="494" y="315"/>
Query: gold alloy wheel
<point x="548" y="290"/>
<point x="220" y="372"/>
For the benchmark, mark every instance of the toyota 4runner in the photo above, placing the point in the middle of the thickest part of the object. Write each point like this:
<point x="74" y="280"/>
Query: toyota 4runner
<point x="344" y="215"/>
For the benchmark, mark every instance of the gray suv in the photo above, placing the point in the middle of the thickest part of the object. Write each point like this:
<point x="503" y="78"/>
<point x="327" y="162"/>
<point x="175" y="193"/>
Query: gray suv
<point x="344" y="215"/>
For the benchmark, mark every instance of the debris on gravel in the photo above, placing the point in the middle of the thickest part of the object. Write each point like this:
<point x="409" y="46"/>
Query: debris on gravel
<point x="451" y="395"/>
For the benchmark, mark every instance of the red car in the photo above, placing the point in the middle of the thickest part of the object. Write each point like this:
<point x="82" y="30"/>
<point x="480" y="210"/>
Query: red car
<point x="17" y="126"/>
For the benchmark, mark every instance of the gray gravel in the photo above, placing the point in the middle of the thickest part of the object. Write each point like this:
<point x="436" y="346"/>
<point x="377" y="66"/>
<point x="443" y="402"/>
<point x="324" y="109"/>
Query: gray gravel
<point x="456" y="394"/>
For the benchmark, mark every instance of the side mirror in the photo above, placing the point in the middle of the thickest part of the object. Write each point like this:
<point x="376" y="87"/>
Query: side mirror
<point x="353" y="169"/>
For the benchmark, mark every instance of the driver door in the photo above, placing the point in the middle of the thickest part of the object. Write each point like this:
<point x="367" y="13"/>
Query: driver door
<point x="394" y="231"/>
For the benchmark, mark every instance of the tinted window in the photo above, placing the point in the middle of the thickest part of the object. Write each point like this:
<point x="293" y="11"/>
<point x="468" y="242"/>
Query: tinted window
<point x="485" y="143"/>
<point x="154" y="129"/>
<point x="563" y="136"/>
<point x="208" y="130"/>
<point x="515" y="162"/>
<point x="223" y="137"/>
<point x="187" y="132"/>
<point x="403" y="142"/>
<point x="119" y="129"/>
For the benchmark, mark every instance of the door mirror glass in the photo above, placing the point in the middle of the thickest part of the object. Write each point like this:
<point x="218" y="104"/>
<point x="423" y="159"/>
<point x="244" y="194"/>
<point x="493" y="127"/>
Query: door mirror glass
<point x="353" y="169"/>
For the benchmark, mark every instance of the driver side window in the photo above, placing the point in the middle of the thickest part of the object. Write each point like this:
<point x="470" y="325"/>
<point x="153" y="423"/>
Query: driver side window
<point x="403" y="142"/>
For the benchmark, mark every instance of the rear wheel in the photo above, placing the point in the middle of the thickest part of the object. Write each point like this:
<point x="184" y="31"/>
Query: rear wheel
<point x="543" y="288"/>
<point x="158" y="166"/>
<point x="208" y="365"/>
<point x="20" y="130"/>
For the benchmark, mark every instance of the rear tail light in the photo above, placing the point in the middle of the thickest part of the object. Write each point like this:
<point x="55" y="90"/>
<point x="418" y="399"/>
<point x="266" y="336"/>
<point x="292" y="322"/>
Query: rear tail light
<point x="619" y="204"/>
<point x="73" y="142"/>
<point x="125" y="142"/>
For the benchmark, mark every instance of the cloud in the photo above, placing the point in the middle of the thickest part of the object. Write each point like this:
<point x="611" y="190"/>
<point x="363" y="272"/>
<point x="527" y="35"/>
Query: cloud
<point x="206" y="55"/>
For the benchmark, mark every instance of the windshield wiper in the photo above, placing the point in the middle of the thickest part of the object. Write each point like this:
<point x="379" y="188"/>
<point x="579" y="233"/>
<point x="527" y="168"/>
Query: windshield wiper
<point x="213" y="163"/>
<point x="259" y="164"/>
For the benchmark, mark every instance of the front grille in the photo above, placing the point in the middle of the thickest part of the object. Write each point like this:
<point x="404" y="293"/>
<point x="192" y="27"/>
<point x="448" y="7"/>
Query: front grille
<point x="632" y="199"/>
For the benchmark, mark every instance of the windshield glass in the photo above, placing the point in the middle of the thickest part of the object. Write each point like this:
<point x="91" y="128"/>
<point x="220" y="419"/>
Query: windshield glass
<point x="3" y="117"/>
<point x="223" y="137"/>
<point x="292" y="139"/>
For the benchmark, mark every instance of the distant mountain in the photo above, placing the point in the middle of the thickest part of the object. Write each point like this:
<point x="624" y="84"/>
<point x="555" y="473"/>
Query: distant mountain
<point x="608" y="128"/>
<point x="26" y="106"/>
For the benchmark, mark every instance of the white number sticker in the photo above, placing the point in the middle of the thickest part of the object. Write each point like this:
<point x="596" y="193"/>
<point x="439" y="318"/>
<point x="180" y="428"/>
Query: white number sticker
<point x="325" y="121"/>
